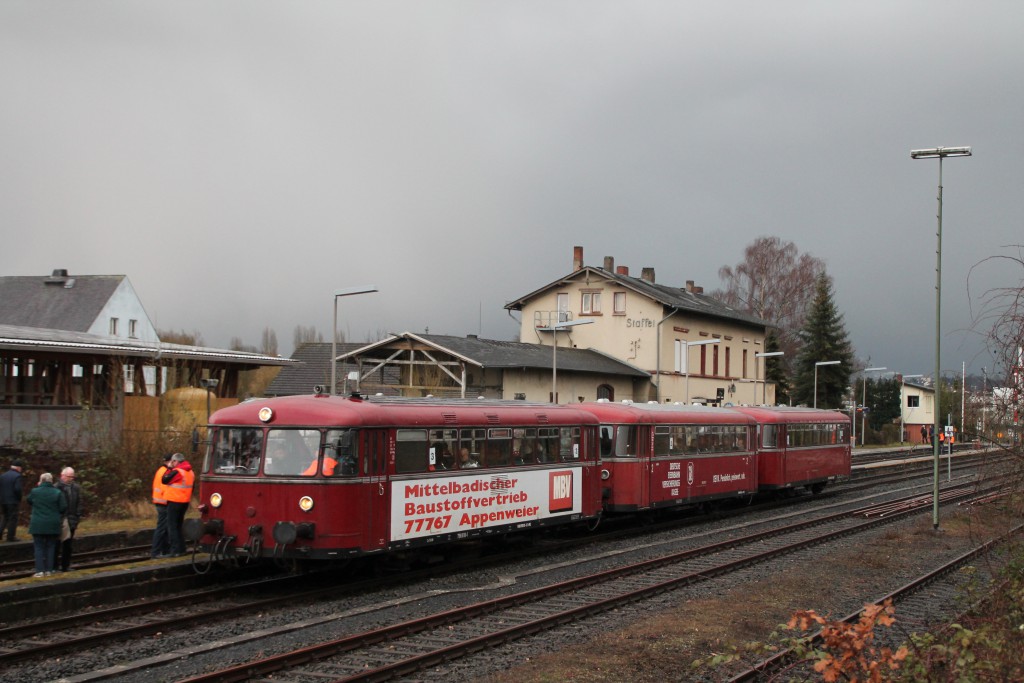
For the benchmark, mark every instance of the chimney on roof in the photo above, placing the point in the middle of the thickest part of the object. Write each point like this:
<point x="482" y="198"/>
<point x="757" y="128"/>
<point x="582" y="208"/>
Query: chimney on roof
<point x="577" y="259"/>
<point x="60" y="272"/>
<point x="698" y="290"/>
<point x="689" y="285"/>
<point x="623" y="270"/>
<point x="647" y="275"/>
<point x="609" y="264"/>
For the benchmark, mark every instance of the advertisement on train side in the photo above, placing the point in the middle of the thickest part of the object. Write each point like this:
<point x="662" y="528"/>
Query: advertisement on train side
<point x="452" y="504"/>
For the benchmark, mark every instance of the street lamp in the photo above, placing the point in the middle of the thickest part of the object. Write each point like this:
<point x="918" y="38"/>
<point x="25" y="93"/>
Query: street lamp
<point x="764" y="393"/>
<point x="939" y="153"/>
<point x="553" y="329"/>
<point x="686" y="365"/>
<point x="821" y="362"/>
<point x="903" y="404"/>
<point x="864" y="400"/>
<point x="209" y="385"/>
<point x="334" y="330"/>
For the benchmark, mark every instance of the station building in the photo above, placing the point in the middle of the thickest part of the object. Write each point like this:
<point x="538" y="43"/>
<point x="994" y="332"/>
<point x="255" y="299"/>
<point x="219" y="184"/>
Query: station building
<point x="695" y="348"/>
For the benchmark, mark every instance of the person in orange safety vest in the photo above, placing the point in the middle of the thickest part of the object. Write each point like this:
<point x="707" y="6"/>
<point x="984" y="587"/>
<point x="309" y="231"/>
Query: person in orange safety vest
<point x="161" y="543"/>
<point x="178" y="482"/>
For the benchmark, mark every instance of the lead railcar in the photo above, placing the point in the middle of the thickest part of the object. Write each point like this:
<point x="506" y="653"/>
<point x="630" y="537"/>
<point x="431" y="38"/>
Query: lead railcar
<point x="323" y="477"/>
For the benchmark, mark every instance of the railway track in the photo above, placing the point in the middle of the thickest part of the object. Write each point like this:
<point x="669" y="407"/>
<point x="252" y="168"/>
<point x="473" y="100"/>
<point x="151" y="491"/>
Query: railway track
<point x="94" y="559"/>
<point x="403" y="648"/>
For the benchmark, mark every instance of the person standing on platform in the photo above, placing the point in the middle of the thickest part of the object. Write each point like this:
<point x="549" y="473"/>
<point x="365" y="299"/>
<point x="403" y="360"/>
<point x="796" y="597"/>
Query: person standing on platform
<point x="10" y="499"/>
<point x="161" y="539"/>
<point x="48" y="508"/>
<point x="73" y="494"/>
<point x="177" y="481"/>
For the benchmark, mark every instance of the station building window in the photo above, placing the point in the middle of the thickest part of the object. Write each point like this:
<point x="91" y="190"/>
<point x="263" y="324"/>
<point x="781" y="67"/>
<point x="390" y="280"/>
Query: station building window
<point x="591" y="303"/>
<point x="619" y="303"/>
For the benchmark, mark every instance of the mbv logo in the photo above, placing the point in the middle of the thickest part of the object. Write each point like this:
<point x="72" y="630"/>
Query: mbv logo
<point x="560" y="491"/>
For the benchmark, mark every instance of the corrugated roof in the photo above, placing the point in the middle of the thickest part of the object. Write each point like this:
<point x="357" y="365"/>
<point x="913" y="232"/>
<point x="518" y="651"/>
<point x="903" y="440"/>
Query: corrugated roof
<point x="55" y="302"/>
<point x="38" y="340"/>
<point x="673" y="297"/>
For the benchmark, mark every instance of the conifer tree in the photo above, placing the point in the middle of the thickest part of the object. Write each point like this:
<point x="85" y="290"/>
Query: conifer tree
<point x="775" y="368"/>
<point x="824" y="338"/>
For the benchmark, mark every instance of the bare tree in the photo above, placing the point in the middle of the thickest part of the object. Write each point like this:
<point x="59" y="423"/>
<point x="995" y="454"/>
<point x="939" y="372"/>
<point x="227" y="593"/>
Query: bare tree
<point x="1000" y="317"/>
<point x="775" y="282"/>
<point x="268" y="344"/>
<point x="305" y="335"/>
<point x="194" y="338"/>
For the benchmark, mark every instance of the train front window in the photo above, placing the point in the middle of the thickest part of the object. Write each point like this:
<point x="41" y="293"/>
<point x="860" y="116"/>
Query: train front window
<point x="292" y="452"/>
<point x="625" y="441"/>
<point x="235" y="450"/>
<point x="607" y="440"/>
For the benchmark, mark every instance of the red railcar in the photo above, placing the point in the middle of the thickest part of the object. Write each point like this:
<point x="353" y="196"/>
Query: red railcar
<point x="656" y="456"/>
<point x="322" y="477"/>
<point x="800" y="447"/>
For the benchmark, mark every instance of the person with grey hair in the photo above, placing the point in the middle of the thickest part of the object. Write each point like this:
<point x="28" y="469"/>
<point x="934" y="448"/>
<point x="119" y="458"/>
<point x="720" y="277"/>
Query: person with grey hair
<point x="48" y="508"/>
<point x="73" y="494"/>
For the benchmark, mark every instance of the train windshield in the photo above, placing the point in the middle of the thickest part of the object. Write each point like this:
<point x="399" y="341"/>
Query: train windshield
<point x="617" y="441"/>
<point x="235" y="450"/>
<point x="292" y="452"/>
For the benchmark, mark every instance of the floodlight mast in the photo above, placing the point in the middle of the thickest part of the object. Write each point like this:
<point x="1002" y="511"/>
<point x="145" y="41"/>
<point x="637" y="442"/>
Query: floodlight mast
<point x="938" y="153"/>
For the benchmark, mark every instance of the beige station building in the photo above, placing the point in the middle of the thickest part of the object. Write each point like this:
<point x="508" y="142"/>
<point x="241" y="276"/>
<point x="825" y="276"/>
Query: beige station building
<point x="695" y="348"/>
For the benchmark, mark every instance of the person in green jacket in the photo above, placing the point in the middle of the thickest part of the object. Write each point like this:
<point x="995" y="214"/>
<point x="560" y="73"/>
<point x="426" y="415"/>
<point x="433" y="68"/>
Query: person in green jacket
<point x="48" y="508"/>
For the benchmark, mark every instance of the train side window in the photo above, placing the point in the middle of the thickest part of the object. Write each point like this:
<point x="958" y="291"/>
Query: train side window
<point x="547" y="444"/>
<point x="472" y="446"/>
<point x="341" y="449"/>
<point x="443" y="443"/>
<point x="499" y="447"/>
<point x="411" y="450"/>
<point x="569" y="444"/>
<point x="661" y="440"/>
<point x="524" y="446"/>
<point x="770" y="436"/>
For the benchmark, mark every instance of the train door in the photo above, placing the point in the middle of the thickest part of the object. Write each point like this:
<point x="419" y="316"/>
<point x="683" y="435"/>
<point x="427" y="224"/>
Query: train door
<point x="645" y="458"/>
<point x="375" y="503"/>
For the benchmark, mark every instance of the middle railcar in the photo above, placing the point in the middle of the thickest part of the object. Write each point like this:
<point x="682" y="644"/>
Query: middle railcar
<point x="322" y="477"/>
<point x="661" y="455"/>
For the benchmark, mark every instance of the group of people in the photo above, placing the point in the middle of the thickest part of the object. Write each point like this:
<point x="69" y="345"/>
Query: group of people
<point x="172" y="493"/>
<point x="56" y="512"/>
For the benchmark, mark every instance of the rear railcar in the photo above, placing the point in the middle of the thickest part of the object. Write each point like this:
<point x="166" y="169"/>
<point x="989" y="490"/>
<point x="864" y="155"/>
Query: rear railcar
<point x="323" y="477"/>
<point x="661" y="456"/>
<point x="800" y="447"/>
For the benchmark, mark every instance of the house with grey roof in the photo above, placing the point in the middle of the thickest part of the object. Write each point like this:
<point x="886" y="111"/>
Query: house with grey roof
<point x="81" y="363"/>
<point x="694" y="347"/>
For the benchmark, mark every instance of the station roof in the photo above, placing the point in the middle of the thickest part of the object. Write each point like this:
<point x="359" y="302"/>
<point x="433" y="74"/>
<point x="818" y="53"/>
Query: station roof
<point x="679" y="298"/>
<point x="493" y="353"/>
<point x="37" y="340"/>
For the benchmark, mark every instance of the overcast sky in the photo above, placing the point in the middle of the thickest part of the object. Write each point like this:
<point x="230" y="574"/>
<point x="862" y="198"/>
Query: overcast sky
<point x="240" y="161"/>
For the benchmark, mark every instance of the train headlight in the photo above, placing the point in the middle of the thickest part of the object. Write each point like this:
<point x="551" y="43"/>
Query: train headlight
<point x="605" y="475"/>
<point x="305" y="503"/>
<point x="216" y="500"/>
<point x="265" y="414"/>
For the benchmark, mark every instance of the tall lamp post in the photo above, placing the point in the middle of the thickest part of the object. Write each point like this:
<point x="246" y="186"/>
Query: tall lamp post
<point x="349" y="291"/>
<point x="764" y="393"/>
<point x="210" y="385"/>
<point x="686" y="365"/>
<point x="939" y="153"/>
<point x="903" y="405"/>
<point x="864" y="400"/>
<point x="821" y="362"/>
<point x="553" y="329"/>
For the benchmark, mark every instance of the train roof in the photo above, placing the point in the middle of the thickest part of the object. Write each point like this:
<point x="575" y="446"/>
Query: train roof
<point x="777" y="414"/>
<point x="665" y="413"/>
<point x="334" y="411"/>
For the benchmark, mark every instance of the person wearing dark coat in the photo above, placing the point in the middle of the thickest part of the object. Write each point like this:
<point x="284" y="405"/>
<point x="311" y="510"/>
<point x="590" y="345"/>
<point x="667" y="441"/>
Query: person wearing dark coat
<point x="73" y="494"/>
<point x="11" y="486"/>
<point x="48" y="508"/>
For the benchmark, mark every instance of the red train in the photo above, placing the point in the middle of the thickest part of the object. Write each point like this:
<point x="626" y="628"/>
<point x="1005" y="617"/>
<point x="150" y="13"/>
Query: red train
<point x="324" y="477"/>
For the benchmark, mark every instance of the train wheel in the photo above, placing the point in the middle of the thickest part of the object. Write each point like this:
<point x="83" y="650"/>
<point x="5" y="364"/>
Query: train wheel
<point x="817" y="488"/>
